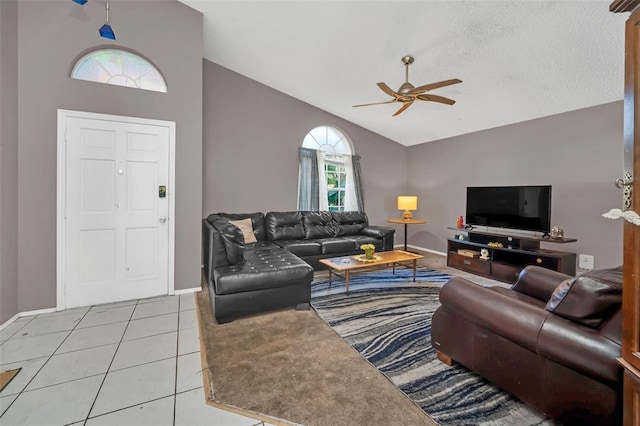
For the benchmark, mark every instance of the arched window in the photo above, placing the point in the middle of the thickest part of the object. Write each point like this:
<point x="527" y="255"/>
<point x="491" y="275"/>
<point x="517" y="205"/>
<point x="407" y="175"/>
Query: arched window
<point x="120" y="68"/>
<point x="328" y="169"/>
<point x="328" y="139"/>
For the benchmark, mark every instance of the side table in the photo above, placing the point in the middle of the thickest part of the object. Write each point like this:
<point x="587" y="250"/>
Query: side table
<point x="406" y="222"/>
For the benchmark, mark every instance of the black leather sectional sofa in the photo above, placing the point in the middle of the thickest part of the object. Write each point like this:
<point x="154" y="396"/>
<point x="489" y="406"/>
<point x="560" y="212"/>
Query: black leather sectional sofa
<point x="276" y="270"/>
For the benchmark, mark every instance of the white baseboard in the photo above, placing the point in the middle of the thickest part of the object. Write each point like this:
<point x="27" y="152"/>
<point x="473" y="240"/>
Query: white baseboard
<point x="187" y="290"/>
<point x="9" y="321"/>
<point x="26" y="314"/>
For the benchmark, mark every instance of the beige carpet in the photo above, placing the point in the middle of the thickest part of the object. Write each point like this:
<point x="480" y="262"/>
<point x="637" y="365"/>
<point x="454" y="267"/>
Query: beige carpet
<point x="290" y="365"/>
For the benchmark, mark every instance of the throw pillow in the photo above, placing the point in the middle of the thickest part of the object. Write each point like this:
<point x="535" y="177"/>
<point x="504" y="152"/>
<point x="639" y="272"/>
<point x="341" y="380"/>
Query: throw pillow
<point x="589" y="299"/>
<point x="246" y="227"/>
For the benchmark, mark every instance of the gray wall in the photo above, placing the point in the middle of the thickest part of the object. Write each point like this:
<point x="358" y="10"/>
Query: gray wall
<point x="8" y="160"/>
<point x="579" y="153"/>
<point x="52" y="34"/>
<point x="251" y="138"/>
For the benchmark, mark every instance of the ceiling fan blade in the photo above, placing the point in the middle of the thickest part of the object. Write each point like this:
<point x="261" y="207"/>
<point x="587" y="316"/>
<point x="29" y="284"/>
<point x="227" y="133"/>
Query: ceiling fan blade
<point x="386" y="89"/>
<point x="404" y="107"/>
<point x="432" y="86"/>
<point x="436" y="98"/>
<point x="375" y="103"/>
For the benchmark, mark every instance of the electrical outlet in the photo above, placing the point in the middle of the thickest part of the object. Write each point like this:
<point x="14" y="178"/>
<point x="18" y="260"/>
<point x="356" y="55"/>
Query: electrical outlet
<point x="585" y="261"/>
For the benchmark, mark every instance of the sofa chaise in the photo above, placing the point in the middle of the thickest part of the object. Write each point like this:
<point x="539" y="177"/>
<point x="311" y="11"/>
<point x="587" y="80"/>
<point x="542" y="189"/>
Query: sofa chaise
<point x="551" y="340"/>
<point x="257" y="262"/>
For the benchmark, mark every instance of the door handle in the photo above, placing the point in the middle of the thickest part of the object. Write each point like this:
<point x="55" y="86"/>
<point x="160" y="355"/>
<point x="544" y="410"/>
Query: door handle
<point x="163" y="219"/>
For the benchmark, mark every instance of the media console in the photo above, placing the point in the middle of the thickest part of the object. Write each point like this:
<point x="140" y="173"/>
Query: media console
<point x="505" y="263"/>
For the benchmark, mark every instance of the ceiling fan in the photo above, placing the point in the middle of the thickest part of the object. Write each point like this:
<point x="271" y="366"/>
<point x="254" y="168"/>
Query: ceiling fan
<point x="407" y="93"/>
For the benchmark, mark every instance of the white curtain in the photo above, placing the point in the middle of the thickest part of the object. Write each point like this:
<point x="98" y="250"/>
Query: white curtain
<point x="323" y="202"/>
<point x="350" y="197"/>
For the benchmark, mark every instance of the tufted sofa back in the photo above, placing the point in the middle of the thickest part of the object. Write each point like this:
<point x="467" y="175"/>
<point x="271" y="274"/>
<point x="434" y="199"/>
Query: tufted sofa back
<point x="284" y="226"/>
<point x="349" y="223"/>
<point x="318" y="224"/>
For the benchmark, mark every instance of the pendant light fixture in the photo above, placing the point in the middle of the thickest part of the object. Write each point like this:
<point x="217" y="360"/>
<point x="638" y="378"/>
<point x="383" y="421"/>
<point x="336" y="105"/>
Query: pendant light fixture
<point x="105" y="31"/>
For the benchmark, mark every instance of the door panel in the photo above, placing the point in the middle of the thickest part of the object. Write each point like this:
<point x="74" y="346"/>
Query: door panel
<point x="96" y="174"/>
<point x="141" y="186"/>
<point x="97" y="260"/>
<point x="141" y="262"/>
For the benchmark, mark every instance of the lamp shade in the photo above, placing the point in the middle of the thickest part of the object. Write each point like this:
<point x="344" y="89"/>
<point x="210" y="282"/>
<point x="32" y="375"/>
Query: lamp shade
<point x="407" y="202"/>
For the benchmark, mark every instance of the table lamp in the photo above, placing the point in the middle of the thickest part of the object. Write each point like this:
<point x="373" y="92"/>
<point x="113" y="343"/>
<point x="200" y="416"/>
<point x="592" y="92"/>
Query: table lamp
<point x="407" y="203"/>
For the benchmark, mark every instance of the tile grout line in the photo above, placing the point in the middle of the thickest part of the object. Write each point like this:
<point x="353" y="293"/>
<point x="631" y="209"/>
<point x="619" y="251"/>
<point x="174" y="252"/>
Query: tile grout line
<point x="18" y="330"/>
<point x="110" y="369"/>
<point x="110" y="364"/>
<point x="48" y="358"/>
<point x="133" y="366"/>
<point x="175" y="382"/>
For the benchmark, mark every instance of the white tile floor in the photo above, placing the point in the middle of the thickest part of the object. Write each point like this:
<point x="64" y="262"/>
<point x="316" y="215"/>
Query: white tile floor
<point x="128" y="363"/>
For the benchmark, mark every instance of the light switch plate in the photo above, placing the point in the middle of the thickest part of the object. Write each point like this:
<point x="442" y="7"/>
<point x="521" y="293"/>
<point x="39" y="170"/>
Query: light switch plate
<point x="586" y="261"/>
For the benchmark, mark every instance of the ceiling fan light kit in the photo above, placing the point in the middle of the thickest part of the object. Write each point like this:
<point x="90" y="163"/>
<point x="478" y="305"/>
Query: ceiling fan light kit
<point x="408" y="93"/>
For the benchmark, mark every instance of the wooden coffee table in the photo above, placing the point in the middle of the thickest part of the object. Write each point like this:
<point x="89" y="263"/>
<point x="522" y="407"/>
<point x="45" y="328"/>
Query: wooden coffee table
<point x="348" y="264"/>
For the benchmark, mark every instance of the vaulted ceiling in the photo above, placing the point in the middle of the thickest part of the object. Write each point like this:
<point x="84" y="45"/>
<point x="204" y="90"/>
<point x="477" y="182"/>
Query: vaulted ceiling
<point x="518" y="60"/>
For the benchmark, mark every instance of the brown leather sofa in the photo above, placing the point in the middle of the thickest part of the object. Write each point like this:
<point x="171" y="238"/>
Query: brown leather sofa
<point x="551" y="340"/>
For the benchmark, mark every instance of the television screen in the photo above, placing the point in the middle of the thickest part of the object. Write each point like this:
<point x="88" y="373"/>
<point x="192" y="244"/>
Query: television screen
<point x="516" y="207"/>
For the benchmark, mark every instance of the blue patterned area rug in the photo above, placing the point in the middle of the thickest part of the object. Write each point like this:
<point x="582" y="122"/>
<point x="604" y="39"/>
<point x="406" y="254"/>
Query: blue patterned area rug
<point x="387" y="319"/>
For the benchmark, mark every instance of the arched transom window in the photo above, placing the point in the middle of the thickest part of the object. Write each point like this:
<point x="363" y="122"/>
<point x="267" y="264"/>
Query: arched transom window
<point x="120" y="68"/>
<point x="328" y="139"/>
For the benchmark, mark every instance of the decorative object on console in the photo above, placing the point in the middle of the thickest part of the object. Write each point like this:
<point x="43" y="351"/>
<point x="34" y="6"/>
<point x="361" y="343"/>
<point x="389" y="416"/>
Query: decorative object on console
<point x="484" y="254"/>
<point x="468" y="253"/>
<point x="557" y="232"/>
<point x="494" y="244"/>
<point x="407" y="203"/>
<point x="460" y="222"/>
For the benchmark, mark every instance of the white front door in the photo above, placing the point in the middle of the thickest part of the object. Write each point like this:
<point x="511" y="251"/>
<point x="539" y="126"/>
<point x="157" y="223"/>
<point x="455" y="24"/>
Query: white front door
<point x="117" y="210"/>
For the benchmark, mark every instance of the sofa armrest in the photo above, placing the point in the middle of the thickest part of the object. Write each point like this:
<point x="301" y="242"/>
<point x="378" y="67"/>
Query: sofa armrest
<point x="377" y="231"/>
<point x="581" y="349"/>
<point x="538" y="282"/>
<point x="509" y="317"/>
<point x="207" y="248"/>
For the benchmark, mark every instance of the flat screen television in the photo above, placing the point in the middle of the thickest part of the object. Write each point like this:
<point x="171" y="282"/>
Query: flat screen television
<point x="516" y="207"/>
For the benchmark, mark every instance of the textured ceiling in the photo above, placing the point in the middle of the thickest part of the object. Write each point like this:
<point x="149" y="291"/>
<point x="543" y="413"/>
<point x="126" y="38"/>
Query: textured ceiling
<point x="519" y="59"/>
